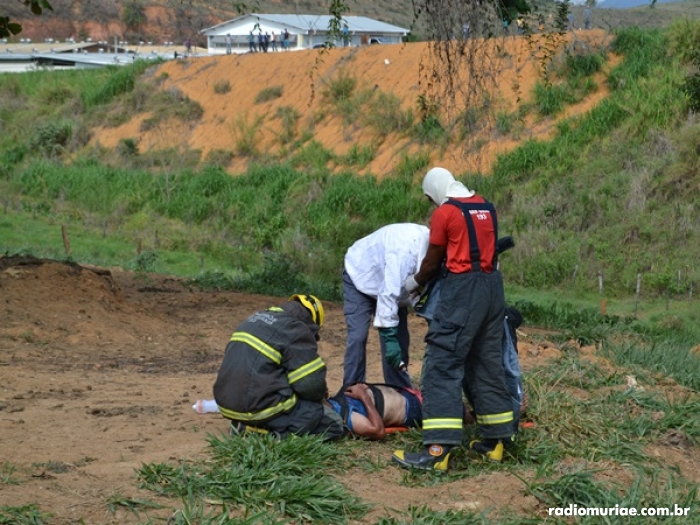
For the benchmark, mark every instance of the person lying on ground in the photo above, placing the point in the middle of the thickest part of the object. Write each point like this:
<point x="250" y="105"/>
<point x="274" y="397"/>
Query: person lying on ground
<point x="368" y="410"/>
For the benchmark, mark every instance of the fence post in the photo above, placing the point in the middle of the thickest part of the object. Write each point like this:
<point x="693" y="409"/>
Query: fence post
<point x="66" y="241"/>
<point x="600" y="281"/>
<point x="636" y="293"/>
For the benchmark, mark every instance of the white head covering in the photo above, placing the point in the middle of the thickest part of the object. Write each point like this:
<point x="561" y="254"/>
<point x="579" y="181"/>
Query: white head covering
<point x="439" y="184"/>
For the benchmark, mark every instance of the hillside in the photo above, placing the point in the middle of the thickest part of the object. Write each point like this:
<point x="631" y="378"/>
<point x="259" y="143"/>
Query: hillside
<point x="174" y="21"/>
<point x="305" y="83"/>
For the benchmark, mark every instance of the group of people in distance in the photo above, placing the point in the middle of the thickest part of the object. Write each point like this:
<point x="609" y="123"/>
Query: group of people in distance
<point x="272" y="379"/>
<point x="263" y="41"/>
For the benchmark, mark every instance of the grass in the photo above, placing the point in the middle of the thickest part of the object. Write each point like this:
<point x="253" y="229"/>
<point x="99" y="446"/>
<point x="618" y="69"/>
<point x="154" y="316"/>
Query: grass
<point x="246" y="134"/>
<point x="41" y="236"/>
<point x="287" y="479"/>
<point x="571" y="224"/>
<point x="23" y="515"/>
<point x="591" y="445"/>
<point x="7" y="474"/>
<point x="133" y="505"/>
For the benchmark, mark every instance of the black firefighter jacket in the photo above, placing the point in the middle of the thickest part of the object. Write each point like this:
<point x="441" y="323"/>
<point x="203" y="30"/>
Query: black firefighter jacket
<point x="271" y="361"/>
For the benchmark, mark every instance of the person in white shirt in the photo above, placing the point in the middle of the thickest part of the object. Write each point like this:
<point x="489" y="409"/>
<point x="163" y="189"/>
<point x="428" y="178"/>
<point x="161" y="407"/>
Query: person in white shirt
<point x="376" y="268"/>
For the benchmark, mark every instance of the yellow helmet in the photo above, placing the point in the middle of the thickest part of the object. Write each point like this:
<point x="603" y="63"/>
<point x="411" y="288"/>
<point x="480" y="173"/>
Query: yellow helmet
<point x="313" y="305"/>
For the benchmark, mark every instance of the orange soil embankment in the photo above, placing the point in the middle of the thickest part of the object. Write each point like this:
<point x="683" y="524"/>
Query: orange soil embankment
<point x="515" y="65"/>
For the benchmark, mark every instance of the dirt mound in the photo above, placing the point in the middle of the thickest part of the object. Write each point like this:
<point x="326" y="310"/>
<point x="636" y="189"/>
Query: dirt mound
<point x="61" y="305"/>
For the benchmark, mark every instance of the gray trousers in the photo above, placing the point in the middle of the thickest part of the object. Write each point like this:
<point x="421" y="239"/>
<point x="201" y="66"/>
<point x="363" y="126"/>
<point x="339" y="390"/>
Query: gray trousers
<point x="359" y="310"/>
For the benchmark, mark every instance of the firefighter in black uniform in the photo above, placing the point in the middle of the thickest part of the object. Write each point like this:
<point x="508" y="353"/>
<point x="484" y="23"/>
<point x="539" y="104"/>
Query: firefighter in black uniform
<point x="272" y="378"/>
<point x="464" y="341"/>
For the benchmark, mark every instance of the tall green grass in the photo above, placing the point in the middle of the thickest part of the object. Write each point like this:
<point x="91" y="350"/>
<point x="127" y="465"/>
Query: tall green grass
<point x="307" y="219"/>
<point x="584" y="202"/>
<point x="592" y="201"/>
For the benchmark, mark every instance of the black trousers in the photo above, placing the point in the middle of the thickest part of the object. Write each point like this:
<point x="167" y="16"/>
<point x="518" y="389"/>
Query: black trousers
<point x="307" y="417"/>
<point x="465" y="354"/>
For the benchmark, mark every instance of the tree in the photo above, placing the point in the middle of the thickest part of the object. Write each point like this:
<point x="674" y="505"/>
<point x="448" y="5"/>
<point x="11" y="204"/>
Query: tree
<point x="9" y="28"/>
<point x="134" y="16"/>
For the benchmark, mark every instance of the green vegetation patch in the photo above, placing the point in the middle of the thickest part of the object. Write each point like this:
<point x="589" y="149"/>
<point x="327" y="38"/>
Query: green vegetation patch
<point x="268" y="93"/>
<point x="257" y="475"/>
<point x="23" y="515"/>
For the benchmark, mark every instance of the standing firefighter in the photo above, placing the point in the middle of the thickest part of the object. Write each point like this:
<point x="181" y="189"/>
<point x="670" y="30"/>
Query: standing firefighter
<point x="272" y="378"/>
<point x="464" y="341"/>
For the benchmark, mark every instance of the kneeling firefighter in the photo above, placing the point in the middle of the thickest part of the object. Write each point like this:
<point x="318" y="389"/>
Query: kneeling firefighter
<point x="272" y="378"/>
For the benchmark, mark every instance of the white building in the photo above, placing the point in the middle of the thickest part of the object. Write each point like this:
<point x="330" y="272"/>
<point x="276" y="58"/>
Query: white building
<point x="305" y="32"/>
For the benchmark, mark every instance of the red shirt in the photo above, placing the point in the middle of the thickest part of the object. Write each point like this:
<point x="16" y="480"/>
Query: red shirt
<point x="449" y="228"/>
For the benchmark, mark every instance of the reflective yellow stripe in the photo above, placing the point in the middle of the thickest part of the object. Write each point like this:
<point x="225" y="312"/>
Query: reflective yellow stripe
<point x="262" y="347"/>
<point x="442" y="424"/>
<point x="283" y="406"/>
<point x="303" y="371"/>
<point x="494" y="419"/>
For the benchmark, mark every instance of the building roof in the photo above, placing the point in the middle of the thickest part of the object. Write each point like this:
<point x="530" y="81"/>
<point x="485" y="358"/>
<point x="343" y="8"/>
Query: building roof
<point x="26" y="56"/>
<point x="360" y="24"/>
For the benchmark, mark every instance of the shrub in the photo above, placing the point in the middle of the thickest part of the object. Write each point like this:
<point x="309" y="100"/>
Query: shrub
<point x="171" y="103"/>
<point x="584" y="64"/>
<point x="504" y="122"/>
<point x="268" y="93"/>
<point x="385" y="115"/>
<point x="128" y="148"/>
<point x="218" y="157"/>
<point x="691" y="87"/>
<point x="222" y="87"/>
<point x="289" y="117"/>
<point x="52" y="138"/>
<point x="360" y="155"/>
<point x="429" y="130"/>
<point x="340" y="87"/>
<point x="247" y="135"/>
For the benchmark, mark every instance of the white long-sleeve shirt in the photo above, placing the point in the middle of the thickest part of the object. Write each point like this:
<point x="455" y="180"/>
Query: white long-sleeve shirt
<point x="380" y="263"/>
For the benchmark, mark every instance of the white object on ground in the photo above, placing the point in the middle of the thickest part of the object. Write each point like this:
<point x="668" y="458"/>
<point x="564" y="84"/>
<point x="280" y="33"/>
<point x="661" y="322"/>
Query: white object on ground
<point x="202" y="406"/>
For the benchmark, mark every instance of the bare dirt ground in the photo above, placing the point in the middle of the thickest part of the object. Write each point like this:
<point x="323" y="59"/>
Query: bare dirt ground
<point x="99" y="370"/>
